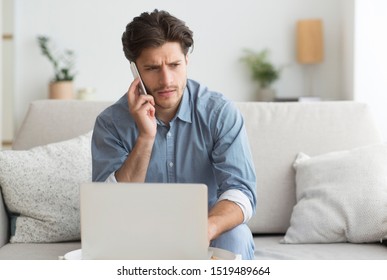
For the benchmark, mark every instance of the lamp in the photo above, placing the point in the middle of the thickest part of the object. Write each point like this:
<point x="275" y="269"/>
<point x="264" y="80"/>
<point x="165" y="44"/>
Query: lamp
<point x="310" y="49"/>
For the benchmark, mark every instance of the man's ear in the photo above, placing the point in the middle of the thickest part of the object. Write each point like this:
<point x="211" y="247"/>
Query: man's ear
<point x="186" y="59"/>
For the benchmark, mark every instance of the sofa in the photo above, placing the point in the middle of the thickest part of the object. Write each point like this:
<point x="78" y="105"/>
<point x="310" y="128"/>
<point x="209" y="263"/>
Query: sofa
<point x="321" y="179"/>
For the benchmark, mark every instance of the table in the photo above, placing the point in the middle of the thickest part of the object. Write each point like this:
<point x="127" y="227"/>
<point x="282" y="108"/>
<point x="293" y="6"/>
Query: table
<point x="217" y="254"/>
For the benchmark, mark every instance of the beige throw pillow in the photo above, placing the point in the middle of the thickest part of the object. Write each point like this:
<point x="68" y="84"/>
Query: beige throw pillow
<point x="40" y="187"/>
<point x="341" y="197"/>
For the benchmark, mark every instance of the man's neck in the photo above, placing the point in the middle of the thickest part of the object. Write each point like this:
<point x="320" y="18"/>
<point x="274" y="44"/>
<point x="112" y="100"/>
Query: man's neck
<point x="165" y="115"/>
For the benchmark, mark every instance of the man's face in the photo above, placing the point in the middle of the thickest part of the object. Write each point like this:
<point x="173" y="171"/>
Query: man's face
<point x="164" y="73"/>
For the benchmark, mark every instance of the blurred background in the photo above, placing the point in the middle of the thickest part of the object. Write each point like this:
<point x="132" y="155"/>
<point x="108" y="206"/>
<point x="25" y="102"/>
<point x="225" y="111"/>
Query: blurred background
<point x="352" y="40"/>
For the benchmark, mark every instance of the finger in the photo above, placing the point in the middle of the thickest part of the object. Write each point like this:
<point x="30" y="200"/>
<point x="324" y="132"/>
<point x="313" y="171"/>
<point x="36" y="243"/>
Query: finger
<point x="133" y="91"/>
<point x="152" y="111"/>
<point x="142" y="100"/>
<point x="143" y="105"/>
<point x="146" y="109"/>
<point x="147" y="98"/>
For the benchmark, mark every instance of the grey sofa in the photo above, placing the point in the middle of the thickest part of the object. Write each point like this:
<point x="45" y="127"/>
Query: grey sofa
<point x="277" y="133"/>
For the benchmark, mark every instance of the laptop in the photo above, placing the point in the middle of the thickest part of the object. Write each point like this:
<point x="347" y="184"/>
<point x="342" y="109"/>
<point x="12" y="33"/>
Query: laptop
<point x="144" y="221"/>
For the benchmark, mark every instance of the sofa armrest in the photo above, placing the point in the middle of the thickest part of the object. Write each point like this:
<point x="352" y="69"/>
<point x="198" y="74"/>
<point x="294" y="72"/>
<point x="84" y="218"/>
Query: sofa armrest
<point x="4" y="223"/>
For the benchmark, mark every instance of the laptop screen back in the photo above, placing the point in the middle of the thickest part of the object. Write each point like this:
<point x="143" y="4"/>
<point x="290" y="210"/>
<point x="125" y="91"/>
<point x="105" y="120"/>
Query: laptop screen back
<point x="144" y="221"/>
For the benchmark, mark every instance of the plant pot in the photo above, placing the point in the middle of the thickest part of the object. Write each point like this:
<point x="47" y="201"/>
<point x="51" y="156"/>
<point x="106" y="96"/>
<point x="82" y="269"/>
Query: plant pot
<point x="61" y="90"/>
<point x="266" y="94"/>
<point x="86" y="93"/>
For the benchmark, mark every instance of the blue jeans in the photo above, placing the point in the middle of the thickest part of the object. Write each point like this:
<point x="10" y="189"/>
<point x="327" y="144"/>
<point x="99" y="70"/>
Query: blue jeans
<point x="238" y="240"/>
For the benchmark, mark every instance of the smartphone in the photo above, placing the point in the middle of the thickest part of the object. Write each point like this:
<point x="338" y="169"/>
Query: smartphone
<point x="136" y="74"/>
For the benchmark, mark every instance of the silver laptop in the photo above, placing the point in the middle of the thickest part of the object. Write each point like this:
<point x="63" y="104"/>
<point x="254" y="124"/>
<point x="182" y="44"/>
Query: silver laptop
<point x="144" y="221"/>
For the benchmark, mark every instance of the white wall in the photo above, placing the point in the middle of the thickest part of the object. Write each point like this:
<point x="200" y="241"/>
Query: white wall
<point x="347" y="44"/>
<point x="370" y="63"/>
<point x="222" y="29"/>
<point x="7" y="110"/>
<point x="1" y="75"/>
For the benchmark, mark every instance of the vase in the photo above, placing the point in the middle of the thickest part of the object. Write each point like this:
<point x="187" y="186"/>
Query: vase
<point x="266" y="94"/>
<point x="61" y="90"/>
<point x="86" y="93"/>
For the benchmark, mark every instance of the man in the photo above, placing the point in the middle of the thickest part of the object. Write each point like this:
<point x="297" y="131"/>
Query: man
<point x="180" y="132"/>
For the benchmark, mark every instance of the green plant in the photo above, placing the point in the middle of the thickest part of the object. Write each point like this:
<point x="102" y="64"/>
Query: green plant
<point x="262" y="69"/>
<point x="63" y="63"/>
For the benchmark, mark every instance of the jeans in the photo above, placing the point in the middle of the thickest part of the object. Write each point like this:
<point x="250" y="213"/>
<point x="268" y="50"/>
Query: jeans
<point x="238" y="240"/>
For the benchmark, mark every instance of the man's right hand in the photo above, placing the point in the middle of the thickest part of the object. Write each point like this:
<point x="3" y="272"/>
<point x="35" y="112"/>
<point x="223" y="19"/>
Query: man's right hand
<point x="142" y="108"/>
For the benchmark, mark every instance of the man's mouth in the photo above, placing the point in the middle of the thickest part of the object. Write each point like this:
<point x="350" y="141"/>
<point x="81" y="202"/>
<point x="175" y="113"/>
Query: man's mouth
<point x="166" y="92"/>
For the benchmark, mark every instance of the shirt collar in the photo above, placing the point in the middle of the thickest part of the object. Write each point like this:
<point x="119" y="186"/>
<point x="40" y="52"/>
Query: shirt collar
<point x="185" y="108"/>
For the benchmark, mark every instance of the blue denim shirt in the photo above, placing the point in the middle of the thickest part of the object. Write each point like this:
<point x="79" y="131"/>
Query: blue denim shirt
<point x="205" y="142"/>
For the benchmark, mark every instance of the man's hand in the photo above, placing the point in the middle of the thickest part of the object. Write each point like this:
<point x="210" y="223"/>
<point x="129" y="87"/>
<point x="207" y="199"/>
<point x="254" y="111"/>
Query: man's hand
<point x="224" y="216"/>
<point x="142" y="108"/>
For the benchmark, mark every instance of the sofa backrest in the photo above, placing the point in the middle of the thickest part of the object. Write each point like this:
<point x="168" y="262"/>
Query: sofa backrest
<point x="277" y="133"/>
<point x="51" y="120"/>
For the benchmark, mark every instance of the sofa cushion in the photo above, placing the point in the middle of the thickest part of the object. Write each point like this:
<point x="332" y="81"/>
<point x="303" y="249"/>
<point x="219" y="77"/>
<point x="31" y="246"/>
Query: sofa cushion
<point x="341" y="197"/>
<point x="279" y="131"/>
<point x="41" y="189"/>
<point x="269" y="247"/>
<point x="37" y="251"/>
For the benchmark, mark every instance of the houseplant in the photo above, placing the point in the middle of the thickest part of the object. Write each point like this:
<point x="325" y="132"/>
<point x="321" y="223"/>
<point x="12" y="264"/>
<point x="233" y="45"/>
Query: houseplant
<point x="61" y="86"/>
<point x="262" y="71"/>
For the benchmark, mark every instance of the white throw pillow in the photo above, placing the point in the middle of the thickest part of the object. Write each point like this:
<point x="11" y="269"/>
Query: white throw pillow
<point x="40" y="187"/>
<point x="341" y="197"/>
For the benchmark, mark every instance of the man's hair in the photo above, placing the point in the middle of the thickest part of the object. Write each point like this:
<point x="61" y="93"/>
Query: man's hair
<point x="154" y="30"/>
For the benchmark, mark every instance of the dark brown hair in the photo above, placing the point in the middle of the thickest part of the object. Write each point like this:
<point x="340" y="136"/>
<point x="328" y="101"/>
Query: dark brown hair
<point x="153" y="30"/>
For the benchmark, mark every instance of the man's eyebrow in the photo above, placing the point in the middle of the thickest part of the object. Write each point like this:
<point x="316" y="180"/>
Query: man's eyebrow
<point x="151" y="65"/>
<point x="158" y="65"/>
<point x="176" y="61"/>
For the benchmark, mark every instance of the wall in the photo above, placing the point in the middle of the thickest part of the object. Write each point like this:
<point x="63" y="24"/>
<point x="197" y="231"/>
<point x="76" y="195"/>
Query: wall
<point x="7" y="109"/>
<point x="370" y="58"/>
<point x="347" y="48"/>
<point x="222" y="29"/>
<point x="1" y="75"/>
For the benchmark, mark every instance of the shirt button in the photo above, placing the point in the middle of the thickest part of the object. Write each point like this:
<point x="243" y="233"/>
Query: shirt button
<point x="171" y="164"/>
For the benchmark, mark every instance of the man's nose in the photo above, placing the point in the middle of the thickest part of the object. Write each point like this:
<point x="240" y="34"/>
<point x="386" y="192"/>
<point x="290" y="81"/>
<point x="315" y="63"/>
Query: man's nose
<point x="166" y="76"/>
